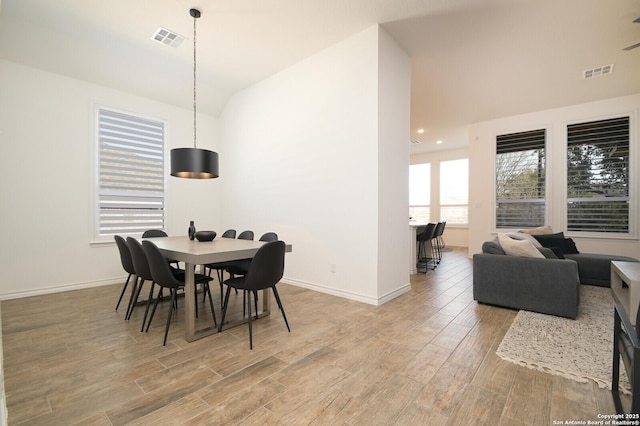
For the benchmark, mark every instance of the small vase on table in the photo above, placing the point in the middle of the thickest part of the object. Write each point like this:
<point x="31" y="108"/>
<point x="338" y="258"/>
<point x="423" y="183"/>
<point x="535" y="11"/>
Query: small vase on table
<point x="192" y="230"/>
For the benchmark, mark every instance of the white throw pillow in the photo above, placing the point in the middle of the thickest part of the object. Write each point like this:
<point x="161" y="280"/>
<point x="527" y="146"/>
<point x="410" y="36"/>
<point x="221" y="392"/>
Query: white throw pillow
<point x="523" y="236"/>
<point x="518" y="247"/>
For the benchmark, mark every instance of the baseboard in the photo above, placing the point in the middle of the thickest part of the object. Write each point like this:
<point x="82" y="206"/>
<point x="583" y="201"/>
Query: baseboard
<point x="119" y="280"/>
<point x="4" y="416"/>
<point x="347" y="294"/>
<point x="393" y="294"/>
<point x="61" y="288"/>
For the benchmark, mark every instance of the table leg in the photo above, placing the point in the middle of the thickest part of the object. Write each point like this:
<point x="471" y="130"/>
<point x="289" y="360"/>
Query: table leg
<point x="191" y="334"/>
<point x="189" y="307"/>
<point x="266" y="302"/>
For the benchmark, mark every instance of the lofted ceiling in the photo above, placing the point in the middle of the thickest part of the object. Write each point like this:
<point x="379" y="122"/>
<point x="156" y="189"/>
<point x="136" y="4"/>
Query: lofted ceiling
<point x="472" y="60"/>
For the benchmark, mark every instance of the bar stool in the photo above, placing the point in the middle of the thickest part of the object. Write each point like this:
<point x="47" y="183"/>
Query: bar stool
<point x="422" y="239"/>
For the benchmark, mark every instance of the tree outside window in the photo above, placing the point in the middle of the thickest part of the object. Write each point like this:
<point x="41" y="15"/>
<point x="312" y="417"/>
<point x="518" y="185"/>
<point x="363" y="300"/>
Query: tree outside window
<point x="598" y="176"/>
<point x="521" y="179"/>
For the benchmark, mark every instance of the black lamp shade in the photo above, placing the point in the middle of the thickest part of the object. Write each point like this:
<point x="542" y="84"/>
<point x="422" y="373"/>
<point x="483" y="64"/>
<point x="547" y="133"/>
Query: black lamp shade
<point x="194" y="163"/>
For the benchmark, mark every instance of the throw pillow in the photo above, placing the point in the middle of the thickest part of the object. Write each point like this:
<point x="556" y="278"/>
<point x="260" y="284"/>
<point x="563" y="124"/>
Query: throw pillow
<point x="556" y="235"/>
<point x="548" y="253"/>
<point x="567" y="245"/>
<point x="518" y="247"/>
<point x="537" y="231"/>
<point x="558" y="252"/>
<point x="523" y="236"/>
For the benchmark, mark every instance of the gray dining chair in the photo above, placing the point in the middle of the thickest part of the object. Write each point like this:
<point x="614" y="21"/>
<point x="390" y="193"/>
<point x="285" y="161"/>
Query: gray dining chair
<point x="165" y="278"/>
<point x="159" y="233"/>
<point x="127" y="264"/>
<point x="241" y="267"/>
<point x="220" y="267"/>
<point x="265" y="271"/>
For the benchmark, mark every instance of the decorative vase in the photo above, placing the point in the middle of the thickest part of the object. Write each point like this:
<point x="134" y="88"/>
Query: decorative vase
<point x="192" y="230"/>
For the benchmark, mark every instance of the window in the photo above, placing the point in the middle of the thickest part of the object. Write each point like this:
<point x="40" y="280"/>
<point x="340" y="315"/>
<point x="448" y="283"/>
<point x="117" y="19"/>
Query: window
<point x="520" y="179"/>
<point x="130" y="171"/>
<point x="454" y="191"/>
<point x="598" y="176"/>
<point x="420" y="192"/>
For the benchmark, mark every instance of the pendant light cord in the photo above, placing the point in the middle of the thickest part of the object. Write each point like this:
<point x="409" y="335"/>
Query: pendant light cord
<point x="194" y="81"/>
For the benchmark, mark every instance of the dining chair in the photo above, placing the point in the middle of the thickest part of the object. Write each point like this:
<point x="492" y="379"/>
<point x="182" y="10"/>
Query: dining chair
<point x="143" y="273"/>
<point x="155" y="233"/>
<point x="241" y="267"/>
<point x="265" y="271"/>
<point x="626" y="345"/>
<point x="141" y="263"/>
<point x="229" y="233"/>
<point x="220" y="267"/>
<point x="165" y="278"/>
<point x="127" y="264"/>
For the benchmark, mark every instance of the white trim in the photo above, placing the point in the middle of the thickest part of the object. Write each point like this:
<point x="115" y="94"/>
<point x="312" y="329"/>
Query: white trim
<point x="4" y="415"/>
<point x="349" y="295"/>
<point x="62" y="288"/>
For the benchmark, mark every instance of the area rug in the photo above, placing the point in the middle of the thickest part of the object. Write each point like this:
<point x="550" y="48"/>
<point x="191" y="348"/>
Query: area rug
<point x="579" y="349"/>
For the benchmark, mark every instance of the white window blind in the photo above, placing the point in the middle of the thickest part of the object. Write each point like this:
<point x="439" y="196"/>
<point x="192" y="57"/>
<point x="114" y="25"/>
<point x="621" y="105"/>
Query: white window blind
<point x="520" y="179"/>
<point x="454" y="191"/>
<point x="130" y="173"/>
<point x="598" y="176"/>
<point x="420" y="192"/>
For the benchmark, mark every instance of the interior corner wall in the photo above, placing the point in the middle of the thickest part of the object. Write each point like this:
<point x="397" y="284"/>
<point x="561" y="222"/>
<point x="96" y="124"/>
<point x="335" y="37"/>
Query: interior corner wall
<point x="482" y="169"/>
<point x="304" y="148"/>
<point x="394" y="105"/>
<point x="47" y="185"/>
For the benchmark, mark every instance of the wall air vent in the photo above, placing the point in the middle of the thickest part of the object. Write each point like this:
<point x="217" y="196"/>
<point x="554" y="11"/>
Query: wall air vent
<point x="167" y="37"/>
<point x="596" y="72"/>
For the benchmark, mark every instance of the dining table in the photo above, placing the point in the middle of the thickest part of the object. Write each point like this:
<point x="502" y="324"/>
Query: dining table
<point x="194" y="253"/>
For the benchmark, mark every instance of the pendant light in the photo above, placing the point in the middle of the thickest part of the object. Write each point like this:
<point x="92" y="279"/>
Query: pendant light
<point x="194" y="163"/>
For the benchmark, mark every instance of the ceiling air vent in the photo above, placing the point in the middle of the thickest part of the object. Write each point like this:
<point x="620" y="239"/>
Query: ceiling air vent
<point x="596" y="72"/>
<point x="167" y="37"/>
<point x="415" y="141"/>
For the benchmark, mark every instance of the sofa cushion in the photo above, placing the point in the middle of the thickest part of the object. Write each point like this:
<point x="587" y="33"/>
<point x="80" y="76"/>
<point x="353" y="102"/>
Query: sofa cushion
<point x="537" y="231"/>
<point x="492" y="247"/>
<point x="595" y="268"/>
<point x="557" y="251"/>
<point x="567" y="245"/>
<point x="513" y="247"/>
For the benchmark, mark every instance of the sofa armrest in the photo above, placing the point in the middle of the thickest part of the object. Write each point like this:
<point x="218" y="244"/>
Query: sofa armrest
<point x="548" y="286"/>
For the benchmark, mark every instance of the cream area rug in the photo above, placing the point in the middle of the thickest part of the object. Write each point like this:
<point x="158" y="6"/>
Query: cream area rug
<point x="579" y="349"/>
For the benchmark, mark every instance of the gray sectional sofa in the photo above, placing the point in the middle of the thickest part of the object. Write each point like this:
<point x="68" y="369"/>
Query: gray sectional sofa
<point x="547" y="285"/>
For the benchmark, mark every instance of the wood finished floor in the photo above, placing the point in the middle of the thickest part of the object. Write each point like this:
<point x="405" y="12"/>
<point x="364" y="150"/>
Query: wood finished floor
<point x="427" y="357"/>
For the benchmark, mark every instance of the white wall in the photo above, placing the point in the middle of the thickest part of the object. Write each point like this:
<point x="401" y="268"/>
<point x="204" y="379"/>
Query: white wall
<point x="454" y="235"/>
<point x="394" y="104"/>
<point x="306" y="148"/>
<point x="482" y="169"/>
<point x="46" y="184"/>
